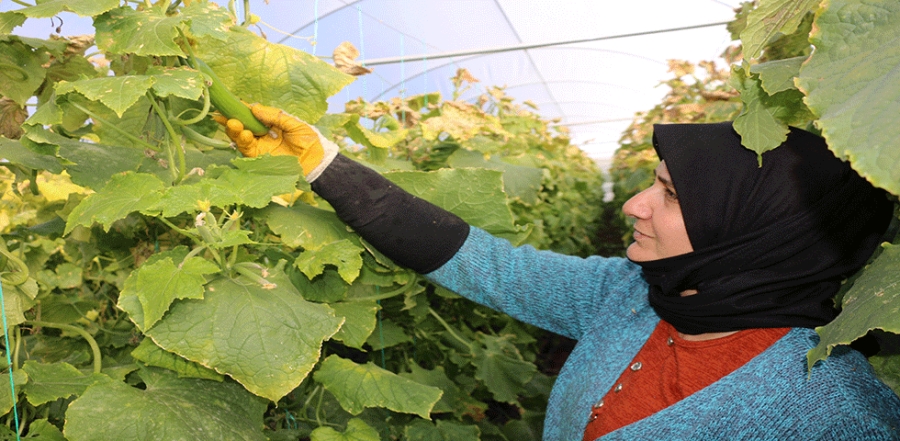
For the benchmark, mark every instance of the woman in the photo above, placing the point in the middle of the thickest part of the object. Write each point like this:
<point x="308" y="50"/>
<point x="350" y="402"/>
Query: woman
<point x="702" y="332"/>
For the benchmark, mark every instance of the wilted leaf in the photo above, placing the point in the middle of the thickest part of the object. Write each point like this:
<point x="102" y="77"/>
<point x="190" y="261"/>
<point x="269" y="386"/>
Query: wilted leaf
<point x="240" y="329"/>
<point x="872" y="303"/>
<point x="345" y="60"/>
<point x="23" y="70"/>
<point x="852" y="82"/>
<point x="771" y="18"/>
<point x="11" y="118"/>
<point x="372" y="139"/>
<point x="460" y="121"/>
<point x="124" y="194"/>
<point x="193" y="410"/>
<point x="359" y="386"/>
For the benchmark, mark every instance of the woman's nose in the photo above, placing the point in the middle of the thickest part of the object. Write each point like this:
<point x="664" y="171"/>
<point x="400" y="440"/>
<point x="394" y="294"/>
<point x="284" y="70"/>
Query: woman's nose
<point x="637" y="206"/>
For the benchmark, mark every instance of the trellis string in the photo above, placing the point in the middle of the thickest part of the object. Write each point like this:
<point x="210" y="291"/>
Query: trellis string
<point x="12" y="385"/>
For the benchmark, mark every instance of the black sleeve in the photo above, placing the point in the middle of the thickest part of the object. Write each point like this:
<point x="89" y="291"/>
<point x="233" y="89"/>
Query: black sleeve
<point x="411" y="231"/>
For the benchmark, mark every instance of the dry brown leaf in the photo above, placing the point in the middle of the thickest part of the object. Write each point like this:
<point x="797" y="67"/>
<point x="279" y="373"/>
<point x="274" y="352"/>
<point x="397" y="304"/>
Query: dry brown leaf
<point x="11" y="118"/>
<point x="345" y="60"/>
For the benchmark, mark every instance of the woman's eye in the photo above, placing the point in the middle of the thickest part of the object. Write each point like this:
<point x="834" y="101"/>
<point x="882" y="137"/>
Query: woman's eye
<point x="671" y="195"/>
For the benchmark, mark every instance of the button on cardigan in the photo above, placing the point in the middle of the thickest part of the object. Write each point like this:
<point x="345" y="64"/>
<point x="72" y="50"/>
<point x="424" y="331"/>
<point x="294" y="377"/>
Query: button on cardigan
<point x="602" y="303"/>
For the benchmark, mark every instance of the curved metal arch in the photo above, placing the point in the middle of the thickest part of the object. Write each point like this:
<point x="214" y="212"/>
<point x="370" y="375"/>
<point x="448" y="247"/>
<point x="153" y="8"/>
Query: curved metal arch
<point x="474" y="57"/>
<point x="581" y="102"/>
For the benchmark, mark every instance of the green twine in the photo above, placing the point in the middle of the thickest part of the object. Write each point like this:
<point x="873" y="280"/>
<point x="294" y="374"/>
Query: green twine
<point x="12" y="385"/>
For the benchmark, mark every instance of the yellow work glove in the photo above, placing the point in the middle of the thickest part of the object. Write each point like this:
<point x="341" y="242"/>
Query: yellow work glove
<point x="288" y="135"/>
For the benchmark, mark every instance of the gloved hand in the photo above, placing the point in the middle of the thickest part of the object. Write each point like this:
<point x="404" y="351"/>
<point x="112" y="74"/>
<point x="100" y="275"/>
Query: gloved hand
<point x="287" y="135"/>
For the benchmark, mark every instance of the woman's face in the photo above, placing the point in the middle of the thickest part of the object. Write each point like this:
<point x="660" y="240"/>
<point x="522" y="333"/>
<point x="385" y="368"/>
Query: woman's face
<point x="659" y="230"/>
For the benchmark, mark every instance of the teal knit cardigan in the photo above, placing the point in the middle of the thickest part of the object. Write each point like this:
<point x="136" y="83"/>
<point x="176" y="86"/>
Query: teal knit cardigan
<point x="602" y="303"/>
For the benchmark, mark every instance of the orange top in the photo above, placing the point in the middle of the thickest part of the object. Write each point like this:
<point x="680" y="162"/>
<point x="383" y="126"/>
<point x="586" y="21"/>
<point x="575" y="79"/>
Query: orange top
<point x="668" y="369"/>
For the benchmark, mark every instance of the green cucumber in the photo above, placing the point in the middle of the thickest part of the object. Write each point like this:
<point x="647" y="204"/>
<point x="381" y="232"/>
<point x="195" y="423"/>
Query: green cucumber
<point x="227" y="104"/>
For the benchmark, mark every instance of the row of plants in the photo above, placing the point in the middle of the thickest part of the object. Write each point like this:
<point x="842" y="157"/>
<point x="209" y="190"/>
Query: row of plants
<point x="146" y="262"/>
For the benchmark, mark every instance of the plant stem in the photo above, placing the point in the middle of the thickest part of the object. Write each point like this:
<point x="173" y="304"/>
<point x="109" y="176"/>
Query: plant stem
<point x="319" y="406"/>
<point x="450" y="330"/>
<point x="181" y="231"/>
<point x="386" y="295"/>
<point x="131" y="137"/>
<point x="98" y="363"/>
<point x="20" y="2"/>
<point x="246" y="13"/>
<point x="173" y="136"/>
<point x="17" y="344"/>
<point x="201" y="115"/>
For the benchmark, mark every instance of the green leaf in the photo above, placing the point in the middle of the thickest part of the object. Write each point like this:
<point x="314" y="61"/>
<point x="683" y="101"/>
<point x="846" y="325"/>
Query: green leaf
<point x="148" y="353"/>
<point x="442" y="430"/>
<point x="20" y="378"/>
<point x="23" y="72"/>
<point x="518" y="181"/>
<point x="10" y="20"/>
<point x="159" y="284"/>
<point x="125" y="194"/>
<point x="179" y="81"/>
<point x="887" y="368"/>
<point x="326" y="288"/>
<point x="207" y="19"/>
<point x="389" y="334"/>
<point x="49" y="382"/>
<point x="359" y="386"/>
<point x="454" y="398"/>
<point x="43" y="430"/>
<point x="873" y="302"/>
<point x="305" y="226"/>
<point x="256" y="180"/>
<point x="272" y="74"/>
<point x="852" y="82"/>
<point x="128" y="31"/>
<point x="359" y="324"/>
<point x="117" y="93"/>
<point x="771" y="18"/>
<point x="475" y="195"/>
<point x="501" y="368"/>
<point x="778" y="76"/>
<point x="84" y="8"/>
<point x="357" y="430"/>
<point x="239" y="328"/>
<point x="343" y="254"/>
<point x="18" y="299"/>
<point x="170" y="408"/>
<point x="16" y="153"/>
<point x="92" y="165"/>
<point x="763" y="123"/>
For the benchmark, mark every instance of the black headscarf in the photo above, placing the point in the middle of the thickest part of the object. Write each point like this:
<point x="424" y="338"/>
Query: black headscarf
<point x="772" y="242"/>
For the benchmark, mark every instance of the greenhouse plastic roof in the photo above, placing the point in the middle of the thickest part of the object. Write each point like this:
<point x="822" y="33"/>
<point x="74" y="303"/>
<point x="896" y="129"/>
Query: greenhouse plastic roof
<point x="593" y="87"/>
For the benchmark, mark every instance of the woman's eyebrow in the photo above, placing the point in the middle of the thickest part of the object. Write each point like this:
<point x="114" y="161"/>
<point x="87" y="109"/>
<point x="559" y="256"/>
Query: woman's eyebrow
<point x="665" y="181"/>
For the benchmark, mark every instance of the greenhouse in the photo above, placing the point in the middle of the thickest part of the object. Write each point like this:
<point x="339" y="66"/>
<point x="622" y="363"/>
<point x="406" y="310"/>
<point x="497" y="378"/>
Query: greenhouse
<point x="449" y="220"/>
